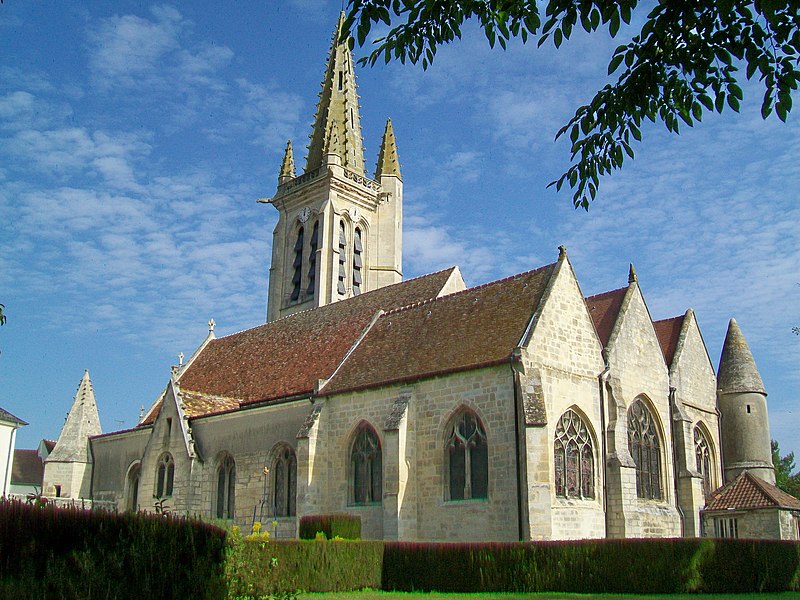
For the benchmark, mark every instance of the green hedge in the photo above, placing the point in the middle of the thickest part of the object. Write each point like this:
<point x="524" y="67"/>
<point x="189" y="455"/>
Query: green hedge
<point x="342" y="525"/>
<point x="48" y="552"/>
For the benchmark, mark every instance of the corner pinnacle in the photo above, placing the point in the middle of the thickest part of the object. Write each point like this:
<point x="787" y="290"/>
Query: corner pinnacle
<point x="388" y="160"/>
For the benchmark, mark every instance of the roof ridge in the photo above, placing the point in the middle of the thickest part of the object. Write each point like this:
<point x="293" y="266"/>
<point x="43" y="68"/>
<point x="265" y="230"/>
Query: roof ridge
<point x="465" y="291"/>
<point x="683" y="316"/>
<point x="609" y="292"/>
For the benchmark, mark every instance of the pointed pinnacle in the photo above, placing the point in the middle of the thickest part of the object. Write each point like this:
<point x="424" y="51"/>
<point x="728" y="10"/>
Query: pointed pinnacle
<point x="287" y="166"/>
<point x="737" y="369"/>
<point x="632" y="277"/>
<point x="388" y="161"/>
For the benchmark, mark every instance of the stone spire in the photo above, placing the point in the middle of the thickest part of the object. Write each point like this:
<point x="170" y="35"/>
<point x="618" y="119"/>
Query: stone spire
<point x="737" y="369"/>
<point x="287" y="166"/>
<point x="337" y="111"/>
<point x="632" y="277"/>
<point x="82" y="422"/>
<point x="388" y="161"/>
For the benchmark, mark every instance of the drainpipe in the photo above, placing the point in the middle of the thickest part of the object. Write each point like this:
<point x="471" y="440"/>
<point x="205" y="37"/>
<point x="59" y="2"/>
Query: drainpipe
<point x="675" y="461"/>
<point x="601" y="382"/>
<point x="516" y="358"/>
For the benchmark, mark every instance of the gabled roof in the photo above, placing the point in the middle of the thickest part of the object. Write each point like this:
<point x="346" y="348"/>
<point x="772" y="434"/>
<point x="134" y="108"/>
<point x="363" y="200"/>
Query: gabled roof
<point x="28" y="468"/>
<point x="668" y="332"/>
<point x="748" y="491"/>
<point x="604" y="310"/>
<point x="9" y="418"/>
<point x="287" y="357"/>
<point x="477" y="327"/>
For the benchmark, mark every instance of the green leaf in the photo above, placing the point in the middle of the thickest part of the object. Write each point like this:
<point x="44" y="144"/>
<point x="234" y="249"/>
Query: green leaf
<point x="558" y="37"/>
<point x="615" y="63"/>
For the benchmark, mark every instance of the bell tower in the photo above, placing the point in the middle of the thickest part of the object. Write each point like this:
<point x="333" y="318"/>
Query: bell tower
<point x="339" y="233"/>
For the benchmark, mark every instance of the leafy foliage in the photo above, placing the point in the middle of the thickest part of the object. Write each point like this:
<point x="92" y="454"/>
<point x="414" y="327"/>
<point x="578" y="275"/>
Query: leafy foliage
<point x="683" y="63"/>
<point x="339" y="525"/>
<point x="784" y="465"/>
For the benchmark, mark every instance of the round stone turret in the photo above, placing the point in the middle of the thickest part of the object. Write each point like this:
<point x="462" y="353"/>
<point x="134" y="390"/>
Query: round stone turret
<point x="743" y="411"/>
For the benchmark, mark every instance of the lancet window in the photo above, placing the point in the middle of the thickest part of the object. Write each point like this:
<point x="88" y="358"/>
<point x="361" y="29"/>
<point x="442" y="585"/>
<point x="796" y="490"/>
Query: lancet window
<point x="358" y="261"/>
<point x="134" y="476"/>
<point x="165" y="476"/>
<point x="367" y="467"/>
<point x="645" y="448"/>
<point x="285" y="483"/>
<point x="702" y="452"/>
<point x="298" y="265"/>
<point x="467" y="457"/>
<point x="573" y="457"/>
<point x="226" y="488"/>
<point x="312" y="261"/>
<point x="342" y="259"/>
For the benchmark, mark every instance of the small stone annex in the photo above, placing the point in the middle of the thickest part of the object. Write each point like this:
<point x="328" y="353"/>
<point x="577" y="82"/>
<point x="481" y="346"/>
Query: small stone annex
<point x="515" y="410"/>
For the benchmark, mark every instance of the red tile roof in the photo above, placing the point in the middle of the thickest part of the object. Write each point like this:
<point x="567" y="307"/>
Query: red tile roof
<point x="749" y="491"/>
<point x="604" y="309"/>
<point x="287" y="357"/>
<point x="476" y="327"/>
<point x="27" y="469"/>
<point x="668" y="332"/>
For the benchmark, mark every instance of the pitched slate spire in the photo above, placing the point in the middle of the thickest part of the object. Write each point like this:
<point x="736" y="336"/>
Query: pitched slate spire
<point x="388" y="161"/>
<point x="287" y="166"/>
<point x="82" y="422"/>
<point x="337" y="111"/>
<point x="737" y="368"/>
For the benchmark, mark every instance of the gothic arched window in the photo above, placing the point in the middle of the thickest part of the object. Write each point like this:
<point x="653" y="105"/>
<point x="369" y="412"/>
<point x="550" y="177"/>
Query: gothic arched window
<point x="358" y="262"/>
<point x="226" y="488"/>
<point x="467" y="458"/>
<point x="366" y="466"/>
<point x="297" y="276"/>
<point x="645" y="449"/>
<point x="573" y="457"/>
<point x="312" y="261"/>
<point x="342" y="260"/>
<point x="285" y="483"/>
<point x="702" y="452"/>
<point x="165" y="476"/>
<point x="134" y="476"/>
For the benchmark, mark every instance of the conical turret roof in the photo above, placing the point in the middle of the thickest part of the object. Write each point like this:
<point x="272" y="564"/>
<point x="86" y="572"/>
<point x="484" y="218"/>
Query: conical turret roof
<point x="388" y="161"/>
<point x="82" y="422"/>
<point x="337" y="124"/>
<point x="737" y="369"/>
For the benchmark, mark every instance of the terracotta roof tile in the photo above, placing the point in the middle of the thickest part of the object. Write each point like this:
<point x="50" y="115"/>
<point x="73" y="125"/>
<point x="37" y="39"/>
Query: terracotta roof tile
<point x="196" y="404"/>
<point x="668" y="332"/>
<point x="287" y="357"/>
<point x="749" y="491"/>
<point x="604" y="309"/>
<point x="469" y="329"/>
<point x="27" y="469"/>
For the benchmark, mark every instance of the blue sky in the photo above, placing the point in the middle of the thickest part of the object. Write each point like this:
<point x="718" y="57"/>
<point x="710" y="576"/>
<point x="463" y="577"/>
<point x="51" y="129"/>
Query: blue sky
<point x="135" y="139"/>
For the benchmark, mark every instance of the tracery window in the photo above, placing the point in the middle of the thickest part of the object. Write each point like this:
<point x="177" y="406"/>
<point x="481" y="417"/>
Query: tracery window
<point x="298" y="265"/>
<point x="573" y="456"/>
<point x="702" y="452"/>
<point x="342" y="259"/>
<point x="285" y="483"/>
<point x="645" y="449"/>
<point x="165" y="476"/>
<point x="358" y="251"/>
<point x="226" y="488"/>
<point x="312" y="261"/>
<point x="467" y="458"/>
<point x="367" y="467"/>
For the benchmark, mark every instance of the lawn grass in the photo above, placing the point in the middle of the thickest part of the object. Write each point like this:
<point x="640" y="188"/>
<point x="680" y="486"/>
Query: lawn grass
<point x="378" y="595"/>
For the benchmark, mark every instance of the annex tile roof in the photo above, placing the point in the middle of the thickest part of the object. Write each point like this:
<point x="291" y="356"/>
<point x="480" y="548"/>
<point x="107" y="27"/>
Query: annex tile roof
<point x="476" y="327"/>
<point x="748" y="491"/>
<point x="668" y="332"/>
<point x="287" y="357"/>
<point x="604" y="310"/>
<point x="27" y="469"/>
<point x="9" y="418"/>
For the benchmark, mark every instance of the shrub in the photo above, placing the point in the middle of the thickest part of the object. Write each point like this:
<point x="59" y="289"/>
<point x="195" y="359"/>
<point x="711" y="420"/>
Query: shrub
<point x="339" y="525"/>
<point x="49" y="552"/>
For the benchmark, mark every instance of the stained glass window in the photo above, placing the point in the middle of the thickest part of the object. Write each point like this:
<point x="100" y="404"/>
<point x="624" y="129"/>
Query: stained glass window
<point x="467" y="458"/>
<point x="367" y="466"/>
<point x="285" y="470"/>
<point x="645" y="449"/>
<point x="702" y="451"/>
<point x="165" y="476"/>
<point x="573" y="457"/>
<point x="226" y="488"/>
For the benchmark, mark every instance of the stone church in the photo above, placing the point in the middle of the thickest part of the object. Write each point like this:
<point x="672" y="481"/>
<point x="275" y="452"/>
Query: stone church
<point x="515" y="410"/>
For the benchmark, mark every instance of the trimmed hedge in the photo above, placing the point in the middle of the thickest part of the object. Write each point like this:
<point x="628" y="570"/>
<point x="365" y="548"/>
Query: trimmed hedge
<point x="49" y="552"/>
<point x="342" y="525"/>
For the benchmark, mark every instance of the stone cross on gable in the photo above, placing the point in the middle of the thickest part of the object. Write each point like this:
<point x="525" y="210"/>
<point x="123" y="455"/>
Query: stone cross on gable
<point x="211" y="325"/>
